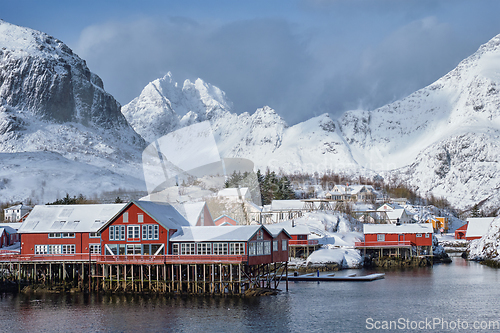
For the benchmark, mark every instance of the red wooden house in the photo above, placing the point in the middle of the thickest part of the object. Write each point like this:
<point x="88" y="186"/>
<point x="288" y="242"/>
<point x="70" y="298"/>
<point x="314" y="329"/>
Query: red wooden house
<point x="63" y="230"/>
<point x="460" y="232"/>
<point x="399" y="240"/>
<point x="254" y="243"/>
<point x="141" y="228"/>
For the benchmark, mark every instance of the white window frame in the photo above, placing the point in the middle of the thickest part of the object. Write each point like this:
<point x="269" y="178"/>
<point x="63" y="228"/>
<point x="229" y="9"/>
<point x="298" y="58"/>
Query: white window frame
<point x="125" y="217"/>
<point x="140" y="218"/>
<point x="380" y="237"/>
<point x="252" y="248"/>
<point x="95" y="248"/>
<point x="204" y="248"/>
<point x="275" y="245"/>
<point x="267" y="247"/>
<point x="237" y="248"/>
<point x="418" y="235"/>
<point x="284" y="245"/>
<point x="133" y="233"/>
<point x="260" y="248"/>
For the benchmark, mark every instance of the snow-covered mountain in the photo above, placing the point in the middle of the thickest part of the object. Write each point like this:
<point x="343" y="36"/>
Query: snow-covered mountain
<point x="50" y="101"/>
<point x="442" y="139"/>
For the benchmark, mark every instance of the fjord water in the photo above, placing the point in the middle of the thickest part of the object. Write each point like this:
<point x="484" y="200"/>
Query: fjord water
<point x="462" y="291"/>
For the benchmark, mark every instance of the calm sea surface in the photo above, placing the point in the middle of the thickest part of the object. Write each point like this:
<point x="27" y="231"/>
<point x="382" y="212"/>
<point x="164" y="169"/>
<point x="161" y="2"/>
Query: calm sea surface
<point x="460" y="293"/>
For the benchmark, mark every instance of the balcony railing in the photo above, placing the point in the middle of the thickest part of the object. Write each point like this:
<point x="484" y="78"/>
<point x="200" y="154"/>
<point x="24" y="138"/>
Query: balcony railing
<point x="303" y="242"/>
<point x="146" y="259"/>
<point x="384" y="244"/>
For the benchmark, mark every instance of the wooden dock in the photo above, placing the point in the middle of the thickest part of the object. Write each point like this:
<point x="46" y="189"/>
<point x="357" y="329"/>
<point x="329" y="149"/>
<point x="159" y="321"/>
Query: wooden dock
<point x="330" y="277"/>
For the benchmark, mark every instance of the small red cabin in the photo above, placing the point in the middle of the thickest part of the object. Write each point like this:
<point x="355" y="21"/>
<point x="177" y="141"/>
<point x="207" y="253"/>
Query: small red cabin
<point x="387" y="236"/>
<point x="460" y="232"/>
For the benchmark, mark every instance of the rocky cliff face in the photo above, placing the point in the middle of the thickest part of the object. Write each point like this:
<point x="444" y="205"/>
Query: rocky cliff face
<point x="41" y="75"/>
<point x="50" y="101"/>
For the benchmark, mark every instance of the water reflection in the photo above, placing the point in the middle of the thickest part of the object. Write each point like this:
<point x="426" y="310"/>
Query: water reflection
<point x="444" y="291"/>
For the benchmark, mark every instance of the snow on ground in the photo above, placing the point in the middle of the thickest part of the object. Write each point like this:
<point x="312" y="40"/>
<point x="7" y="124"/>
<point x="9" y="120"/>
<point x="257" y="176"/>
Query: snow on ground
<point x="335" y="232"/>
<point x="345" y="257"/>
<point x="488" y="246"/>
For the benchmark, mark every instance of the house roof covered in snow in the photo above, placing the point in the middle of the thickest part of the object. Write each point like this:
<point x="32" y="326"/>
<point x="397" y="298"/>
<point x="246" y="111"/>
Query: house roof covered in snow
<point x="277" y="205"/>
<point x="296" y="229"/>
<point x="233" y="192"/>
<point x="7" y="229"/>
<point x="191" y="211"/>
<point x="411" y="228"/>
<point x="20" y="206"/>
<point x="241" y="233"/>
<point x="478" y="226"/>
<point x="68" y="218"/>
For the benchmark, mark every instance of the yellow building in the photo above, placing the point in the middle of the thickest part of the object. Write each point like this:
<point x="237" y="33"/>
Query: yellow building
<point x="438" y="223"/>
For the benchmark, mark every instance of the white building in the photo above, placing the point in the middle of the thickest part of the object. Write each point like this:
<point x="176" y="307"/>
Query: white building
<point x="15" y="213"/>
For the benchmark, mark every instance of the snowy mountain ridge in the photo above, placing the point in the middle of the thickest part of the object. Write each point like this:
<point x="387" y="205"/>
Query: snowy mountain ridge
<point x="441" y="139"/>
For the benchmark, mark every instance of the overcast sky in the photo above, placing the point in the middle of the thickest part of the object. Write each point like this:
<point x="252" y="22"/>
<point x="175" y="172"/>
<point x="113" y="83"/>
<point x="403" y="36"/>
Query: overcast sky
<point x="301" y="57"/>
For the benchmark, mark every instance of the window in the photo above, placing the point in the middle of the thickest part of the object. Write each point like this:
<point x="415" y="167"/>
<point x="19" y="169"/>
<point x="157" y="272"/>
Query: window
<point x="117" y="232"/>
<point x="54" y="249"/>
<point x="252" y="248"/>
<point x="275" y="245"/>
<point x="237" y="248"/>
<point x="260" y="234"/>
<point x="54" y="235"/>
<point x="260" y="248"/>
<point x="95" y="248"/>
<point x="140" y="218"/>
<point x="111" y="249"/>
<point x="419" y="235"/>
<point x="125" y="217"/>
<point x="68" y="249"/>
<point x="204" y="248"/>
<point x="68" y="235"/>
<point x="187" y="249"/>
<point x="380" y="237"/>
<point x="150" y="231"/>
<point x="157" y="249"/>
<point x="220" y="248"/>
<point x="95" y="235"/>
<point x="175" y="249"/>
<point x="284" y="244"/>
<point x="427" y="235"/>
<point x="267" y="247"/>
<point x="41" y="249"/>
<point x="133" y="249"/>
<point x="133" y="233"/>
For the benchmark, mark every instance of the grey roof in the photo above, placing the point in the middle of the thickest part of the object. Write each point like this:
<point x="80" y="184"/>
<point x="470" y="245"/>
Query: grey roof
<point x="163" y="213"/>
<point x="68" y="218"/>
<point x="241" y="233"/>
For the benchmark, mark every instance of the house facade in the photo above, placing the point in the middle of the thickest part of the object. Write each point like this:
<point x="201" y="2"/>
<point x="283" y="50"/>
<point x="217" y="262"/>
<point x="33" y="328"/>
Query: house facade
<point x="16" y="213"/>
<point x="400" y="240"/>
<point x="255" y="244"/>
<point x="141" y="228"/>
